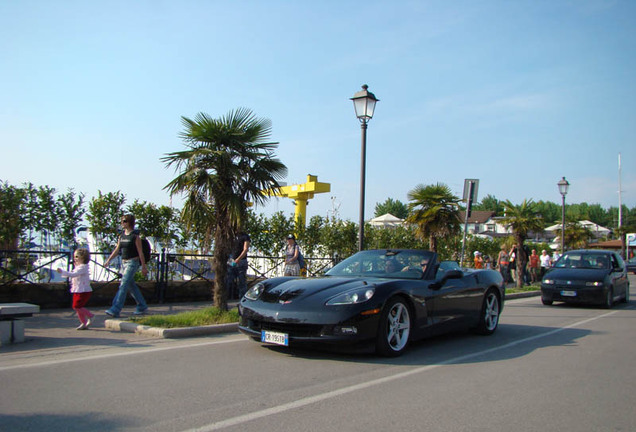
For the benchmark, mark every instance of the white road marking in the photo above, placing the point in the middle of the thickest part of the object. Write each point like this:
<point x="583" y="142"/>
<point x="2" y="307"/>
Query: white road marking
<point x="234" y="421"/>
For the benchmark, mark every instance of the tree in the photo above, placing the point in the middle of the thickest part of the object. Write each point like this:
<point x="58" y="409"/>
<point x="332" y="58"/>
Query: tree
<point x="339" y="238"/>
<point x="576" y="235"/>
<point x="395" y="207"/>
<point x="490" y="203"/>
<point x="522" y="219"/>
<point x="399" y="237"/>
<point x="11" y="211"/>
<point x="104" y="216"/>
<point x="227" y="164"/>
<point x="70" y="211"/>
<point x="434" y="212"/>
<point x="161" y="222"/>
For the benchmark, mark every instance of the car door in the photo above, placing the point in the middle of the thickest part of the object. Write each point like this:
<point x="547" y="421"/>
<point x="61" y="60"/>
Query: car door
<point x="456" y="303"/>
<point x="619" y="275"/>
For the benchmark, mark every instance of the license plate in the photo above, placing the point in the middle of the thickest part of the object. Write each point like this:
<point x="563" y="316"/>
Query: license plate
<point x="274" y="338"/>
<point x="568" y="293"/>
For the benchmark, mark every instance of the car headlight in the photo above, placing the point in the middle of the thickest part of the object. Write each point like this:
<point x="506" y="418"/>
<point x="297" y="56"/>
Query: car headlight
<point x="549" y="281"/>
<point x="594" y="284"/>
<point x="356" y="296"/>
<point x="255" y="292"/>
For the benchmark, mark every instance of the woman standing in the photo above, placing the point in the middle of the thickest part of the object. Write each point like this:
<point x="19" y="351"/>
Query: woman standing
<point x="503" y="261"/>
<point x="292" y="267"/>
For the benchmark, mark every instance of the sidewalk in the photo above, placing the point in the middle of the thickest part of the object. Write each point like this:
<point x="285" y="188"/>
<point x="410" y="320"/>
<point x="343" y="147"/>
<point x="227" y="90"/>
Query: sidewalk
<point x="56" y="328"/>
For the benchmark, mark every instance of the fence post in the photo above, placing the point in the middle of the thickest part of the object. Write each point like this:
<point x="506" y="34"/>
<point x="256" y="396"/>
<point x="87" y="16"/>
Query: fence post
<point x="161" y="280"/>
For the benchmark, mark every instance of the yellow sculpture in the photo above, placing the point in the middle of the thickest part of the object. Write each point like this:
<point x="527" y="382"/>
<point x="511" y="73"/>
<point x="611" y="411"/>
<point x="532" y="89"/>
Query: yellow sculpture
<point x="301" y="193"/>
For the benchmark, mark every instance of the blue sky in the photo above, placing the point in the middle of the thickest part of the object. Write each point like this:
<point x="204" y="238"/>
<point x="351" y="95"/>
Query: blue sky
<point x="515" y="93"/>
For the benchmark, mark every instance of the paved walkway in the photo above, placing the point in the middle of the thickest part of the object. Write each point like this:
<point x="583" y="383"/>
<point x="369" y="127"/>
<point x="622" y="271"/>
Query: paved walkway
<point x="55" y="329"/>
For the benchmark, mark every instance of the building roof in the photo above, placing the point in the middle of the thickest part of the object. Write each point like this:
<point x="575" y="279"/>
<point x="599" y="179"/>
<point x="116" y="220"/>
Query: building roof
<point x="476" y="216"/>
<point x="609" y="244"/>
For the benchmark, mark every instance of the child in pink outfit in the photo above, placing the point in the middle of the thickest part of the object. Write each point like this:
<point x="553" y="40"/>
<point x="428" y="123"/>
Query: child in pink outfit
<point x="80" y="286"/>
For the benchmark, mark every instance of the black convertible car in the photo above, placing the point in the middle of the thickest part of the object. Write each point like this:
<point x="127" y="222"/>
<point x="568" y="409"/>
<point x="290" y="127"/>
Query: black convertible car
<point x="377" y="299"/>
<point x="586" y="276"/>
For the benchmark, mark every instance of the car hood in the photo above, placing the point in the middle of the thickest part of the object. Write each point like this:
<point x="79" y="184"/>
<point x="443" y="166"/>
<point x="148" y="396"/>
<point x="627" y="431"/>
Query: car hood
<point x="576" y="274"/>
<point x="311" y="289"/>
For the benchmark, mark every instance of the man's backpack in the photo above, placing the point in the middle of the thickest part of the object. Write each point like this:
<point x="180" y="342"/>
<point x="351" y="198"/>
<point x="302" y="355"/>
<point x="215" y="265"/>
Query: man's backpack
<point x="146" y="249"/>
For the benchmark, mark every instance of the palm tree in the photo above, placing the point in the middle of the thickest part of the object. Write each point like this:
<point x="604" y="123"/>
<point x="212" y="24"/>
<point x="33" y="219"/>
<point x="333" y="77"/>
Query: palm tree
<point x="576" y="235"/>
<point x="522" y="219"/>
<point x="434" y="212"/>
<point x="228" y="164"/>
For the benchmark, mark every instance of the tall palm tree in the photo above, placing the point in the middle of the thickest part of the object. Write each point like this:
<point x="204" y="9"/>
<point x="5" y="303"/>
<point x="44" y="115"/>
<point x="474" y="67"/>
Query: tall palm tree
<point x="434" y="211"/>
<point x="227" y="165"/>
<point x="522" y="219"/>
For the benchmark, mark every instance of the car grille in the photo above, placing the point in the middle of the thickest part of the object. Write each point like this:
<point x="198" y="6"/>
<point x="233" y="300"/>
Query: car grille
<point x="564" y="283"/>
<point x="293" y="330"/>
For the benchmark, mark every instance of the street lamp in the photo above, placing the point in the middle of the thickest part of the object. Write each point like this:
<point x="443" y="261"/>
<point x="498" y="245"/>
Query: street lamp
<point x="563" y="190"/>
<point x="364" y="104"/>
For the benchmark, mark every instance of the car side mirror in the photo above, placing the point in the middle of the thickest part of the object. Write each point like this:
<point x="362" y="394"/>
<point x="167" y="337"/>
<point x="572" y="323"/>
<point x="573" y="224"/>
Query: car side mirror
<point x="450" y="274"/>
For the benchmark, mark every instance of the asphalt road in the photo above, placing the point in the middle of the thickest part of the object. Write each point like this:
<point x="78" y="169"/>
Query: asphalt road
<point x="555" y="368"/>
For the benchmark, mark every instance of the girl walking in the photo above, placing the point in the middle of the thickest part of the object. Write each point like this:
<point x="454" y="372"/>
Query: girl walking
<point x="80" y="286"/>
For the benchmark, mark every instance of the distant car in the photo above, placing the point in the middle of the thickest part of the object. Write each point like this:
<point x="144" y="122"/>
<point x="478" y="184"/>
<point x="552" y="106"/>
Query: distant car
<point x="586" y="276"/>
<point x="631" y="265"/>
<point x="374" y="300"/>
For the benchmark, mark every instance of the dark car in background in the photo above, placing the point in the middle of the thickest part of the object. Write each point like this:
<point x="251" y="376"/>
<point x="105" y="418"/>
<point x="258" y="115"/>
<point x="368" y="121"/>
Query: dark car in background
<point x="586" y="276"/>
<point x="374" y="300"/>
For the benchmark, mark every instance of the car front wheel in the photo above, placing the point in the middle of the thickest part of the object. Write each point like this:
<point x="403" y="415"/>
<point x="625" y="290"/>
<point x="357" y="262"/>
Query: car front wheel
<point x="395" y="328"/>
<point x="490" y="311"/>
<point x="626" y="298"/>
<point x="609" y="299"/>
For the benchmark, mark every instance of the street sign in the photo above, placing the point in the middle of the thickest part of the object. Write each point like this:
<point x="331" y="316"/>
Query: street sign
<point x="470" y="194"/>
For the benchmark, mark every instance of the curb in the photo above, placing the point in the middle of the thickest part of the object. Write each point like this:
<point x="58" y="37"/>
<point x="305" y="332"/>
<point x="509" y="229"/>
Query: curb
<point x="523" y="295"/>
<point x="170" y="333"/>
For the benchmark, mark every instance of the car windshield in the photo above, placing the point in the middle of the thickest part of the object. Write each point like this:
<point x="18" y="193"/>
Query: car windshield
<point x="583" y="260"/>
<point x="394" y="264"/>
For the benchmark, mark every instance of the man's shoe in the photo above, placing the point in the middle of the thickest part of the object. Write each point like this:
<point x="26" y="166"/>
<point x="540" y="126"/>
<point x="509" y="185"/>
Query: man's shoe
<point x="82" y="327"/>
<point x="143" y="312"/>
<point x="88" y="323"/>
<point x="111" y="314"/>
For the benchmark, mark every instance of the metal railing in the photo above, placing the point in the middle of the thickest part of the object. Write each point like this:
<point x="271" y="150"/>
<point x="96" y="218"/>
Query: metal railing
<point x="39" y="267"/>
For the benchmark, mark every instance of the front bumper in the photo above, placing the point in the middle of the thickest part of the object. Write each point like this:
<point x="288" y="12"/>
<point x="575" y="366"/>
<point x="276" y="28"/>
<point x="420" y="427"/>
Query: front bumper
<point x="326" y="328"/>
<point x="574" y="294"/>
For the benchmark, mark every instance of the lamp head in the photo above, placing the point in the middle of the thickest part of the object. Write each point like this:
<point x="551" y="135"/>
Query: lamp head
<point x="563" y="186"/>
<point x="364" y="104"/>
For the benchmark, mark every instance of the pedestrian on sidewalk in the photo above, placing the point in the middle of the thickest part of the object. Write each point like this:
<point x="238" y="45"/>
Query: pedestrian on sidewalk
<point x="237" y="265"/>
<point x="132" y="257"/>
<point x="80" y="286"/>
<point x="292" y="251"/>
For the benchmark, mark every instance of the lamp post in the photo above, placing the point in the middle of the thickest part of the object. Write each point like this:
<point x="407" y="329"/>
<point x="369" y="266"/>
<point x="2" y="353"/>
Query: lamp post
<point x="563" y="190"/>
<point x="364" y="104"/>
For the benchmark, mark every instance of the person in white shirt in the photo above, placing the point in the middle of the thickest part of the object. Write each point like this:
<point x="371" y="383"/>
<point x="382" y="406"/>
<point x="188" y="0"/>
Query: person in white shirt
<point x="546" y="262"/>
<point x="80" y="286"/>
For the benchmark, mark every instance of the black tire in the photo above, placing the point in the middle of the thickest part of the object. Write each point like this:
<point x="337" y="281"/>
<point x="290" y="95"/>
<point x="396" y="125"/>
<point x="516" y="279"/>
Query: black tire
<point x="609" y="299"/>
<point x="490" y="310"/>
<point x="546" y="302"/>
<point x="394" y="328"/>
